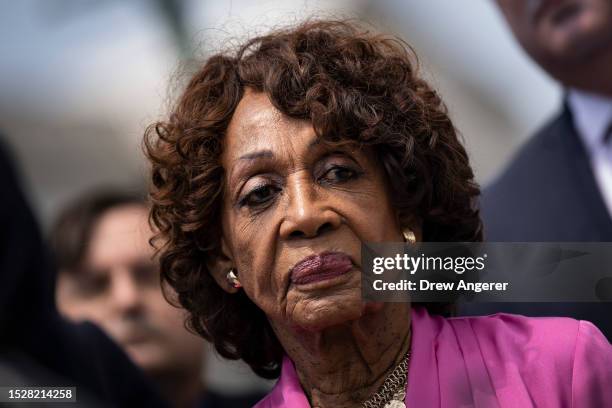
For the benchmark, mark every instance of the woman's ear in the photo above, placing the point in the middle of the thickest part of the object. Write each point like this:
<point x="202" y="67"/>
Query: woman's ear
<point x="220" y="267"/>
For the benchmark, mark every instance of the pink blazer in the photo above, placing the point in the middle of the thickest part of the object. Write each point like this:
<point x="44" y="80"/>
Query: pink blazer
<point x="501" y="360"/>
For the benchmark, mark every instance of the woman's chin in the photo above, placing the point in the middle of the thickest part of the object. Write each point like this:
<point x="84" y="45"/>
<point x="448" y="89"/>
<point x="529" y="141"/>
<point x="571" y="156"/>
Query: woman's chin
<point x="319" y="314"/>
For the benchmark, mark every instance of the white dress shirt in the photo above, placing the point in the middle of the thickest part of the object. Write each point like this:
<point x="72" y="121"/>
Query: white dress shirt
<point x="592" y="117"/>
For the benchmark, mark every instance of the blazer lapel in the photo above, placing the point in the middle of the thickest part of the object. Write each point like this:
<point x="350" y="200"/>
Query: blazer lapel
<point x="595" y="215"/>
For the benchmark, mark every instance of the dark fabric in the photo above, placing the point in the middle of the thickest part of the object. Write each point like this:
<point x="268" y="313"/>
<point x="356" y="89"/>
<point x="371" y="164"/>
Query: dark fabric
<point x="548" y="194"/>
<point x="214" y="400"/>
<point x="608" y="134"/>
<point x="35" y="342"/>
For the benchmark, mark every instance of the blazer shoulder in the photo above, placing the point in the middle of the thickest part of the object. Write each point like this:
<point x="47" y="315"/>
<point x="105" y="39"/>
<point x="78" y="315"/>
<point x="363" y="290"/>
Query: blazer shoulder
<point x="537" y="187"/>
<point x="592" y="368"/>
<point x="572" y="357"/>
<point x="539" y="152"/>
<point x="557" y="334"/>
<point x="536" y="354"/>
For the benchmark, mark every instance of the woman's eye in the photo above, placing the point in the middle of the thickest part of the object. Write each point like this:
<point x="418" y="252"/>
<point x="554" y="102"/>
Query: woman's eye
<point x="259" y="195"/>
<point x="339" y="174"/>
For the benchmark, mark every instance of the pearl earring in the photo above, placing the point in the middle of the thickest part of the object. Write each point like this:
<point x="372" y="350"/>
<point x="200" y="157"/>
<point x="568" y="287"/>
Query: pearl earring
<point x="409" y="236"/>
<point x="232" y="279"/>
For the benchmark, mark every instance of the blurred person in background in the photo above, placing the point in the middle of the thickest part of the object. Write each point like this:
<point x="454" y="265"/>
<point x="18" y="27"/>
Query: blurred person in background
<point x="559" y="186"/>
<point x="108" y="275"/>
<point x="37" y="346"/>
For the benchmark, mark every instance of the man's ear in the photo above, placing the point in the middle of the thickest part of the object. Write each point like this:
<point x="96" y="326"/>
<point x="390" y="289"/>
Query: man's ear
<point x="220" y="266"/>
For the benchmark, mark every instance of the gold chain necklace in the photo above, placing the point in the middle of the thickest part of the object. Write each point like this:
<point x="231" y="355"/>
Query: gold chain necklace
<point x="393" y="391"/>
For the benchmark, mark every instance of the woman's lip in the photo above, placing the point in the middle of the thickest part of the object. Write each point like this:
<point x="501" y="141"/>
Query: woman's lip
<point x="319" y="267"/>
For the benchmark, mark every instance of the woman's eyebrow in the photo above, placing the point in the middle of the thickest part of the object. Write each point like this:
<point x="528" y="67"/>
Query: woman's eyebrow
<point x="241" y="163"/>
<point x="257" y="155"/>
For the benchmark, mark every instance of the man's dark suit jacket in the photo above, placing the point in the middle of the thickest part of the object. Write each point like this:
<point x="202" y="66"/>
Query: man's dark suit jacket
<point x="548" y="194"/>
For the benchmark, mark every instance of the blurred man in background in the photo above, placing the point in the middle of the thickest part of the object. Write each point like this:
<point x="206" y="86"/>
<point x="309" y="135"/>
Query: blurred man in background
<point x="559" y="186"/>
<point x="39" y="348"/>
<point x="108" y="275"/>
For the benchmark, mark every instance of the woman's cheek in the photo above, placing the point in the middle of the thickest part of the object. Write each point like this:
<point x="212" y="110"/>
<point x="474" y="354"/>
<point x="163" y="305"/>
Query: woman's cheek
<point x="372" y="216"/>
<point x="254" y="260"/>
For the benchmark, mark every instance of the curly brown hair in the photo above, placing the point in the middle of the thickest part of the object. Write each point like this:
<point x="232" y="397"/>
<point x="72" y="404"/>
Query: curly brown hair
<point x="352" y="85"/>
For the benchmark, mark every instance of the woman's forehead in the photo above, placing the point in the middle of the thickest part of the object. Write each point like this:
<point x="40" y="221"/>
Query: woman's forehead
<point x="254" y="111"/>
<point x="257" y="125"/>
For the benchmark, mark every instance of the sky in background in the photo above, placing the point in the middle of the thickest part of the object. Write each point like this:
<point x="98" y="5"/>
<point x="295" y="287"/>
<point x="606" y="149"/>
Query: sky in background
<point x="81" y="79"/>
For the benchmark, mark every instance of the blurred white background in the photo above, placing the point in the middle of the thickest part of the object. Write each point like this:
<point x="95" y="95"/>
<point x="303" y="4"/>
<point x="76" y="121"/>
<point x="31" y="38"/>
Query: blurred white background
<point x="80" y="80"/>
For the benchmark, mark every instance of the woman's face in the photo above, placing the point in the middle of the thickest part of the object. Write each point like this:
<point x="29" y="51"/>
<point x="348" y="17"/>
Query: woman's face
<point x="295" y="214"/>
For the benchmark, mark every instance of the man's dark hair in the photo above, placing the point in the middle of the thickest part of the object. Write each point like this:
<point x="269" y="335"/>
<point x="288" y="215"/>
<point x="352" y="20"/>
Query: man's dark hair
<point x="70" y="235"/>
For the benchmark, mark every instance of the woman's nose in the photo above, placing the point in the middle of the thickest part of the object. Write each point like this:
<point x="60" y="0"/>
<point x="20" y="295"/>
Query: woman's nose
<point x="309" y="214"/>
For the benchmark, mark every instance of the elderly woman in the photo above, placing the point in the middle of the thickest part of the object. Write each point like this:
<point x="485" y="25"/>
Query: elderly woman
<point x="278" y="161"/>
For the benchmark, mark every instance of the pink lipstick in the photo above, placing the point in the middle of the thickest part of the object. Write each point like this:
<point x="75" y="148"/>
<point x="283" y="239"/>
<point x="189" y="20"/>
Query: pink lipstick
<point x="320" y="267"/>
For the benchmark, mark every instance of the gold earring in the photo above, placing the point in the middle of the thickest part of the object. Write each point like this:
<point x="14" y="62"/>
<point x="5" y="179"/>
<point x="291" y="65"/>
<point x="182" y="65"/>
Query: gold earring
<point x="232" y="279"/>
<point x="409" y="236"/>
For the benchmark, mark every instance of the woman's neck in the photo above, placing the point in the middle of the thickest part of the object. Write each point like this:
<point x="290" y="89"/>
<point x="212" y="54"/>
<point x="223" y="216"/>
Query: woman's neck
<point x="344" y="365"/>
